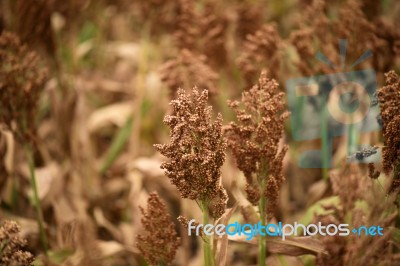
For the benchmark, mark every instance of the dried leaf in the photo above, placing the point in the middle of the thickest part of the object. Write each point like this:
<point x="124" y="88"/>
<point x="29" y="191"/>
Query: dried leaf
<point x="9" y="156"/>
<point x="109" y="248"/>
<point x="114" y="114"/>
<point x="221" y="243"/>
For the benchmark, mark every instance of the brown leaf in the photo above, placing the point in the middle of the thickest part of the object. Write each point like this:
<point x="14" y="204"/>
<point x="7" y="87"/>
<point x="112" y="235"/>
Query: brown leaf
<point x="221" y="243"/>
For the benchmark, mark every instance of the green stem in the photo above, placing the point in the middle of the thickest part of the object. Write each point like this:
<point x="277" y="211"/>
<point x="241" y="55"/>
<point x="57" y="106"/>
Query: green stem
<point x="325" y="143"/>
<point x="262" y="239"/>
<point x="352" y="139"/>
<point x="36" y="199"/>
<point x="207" y="249"/>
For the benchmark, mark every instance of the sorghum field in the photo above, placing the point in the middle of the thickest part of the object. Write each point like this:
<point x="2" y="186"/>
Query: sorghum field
<point x="126" y="126"/>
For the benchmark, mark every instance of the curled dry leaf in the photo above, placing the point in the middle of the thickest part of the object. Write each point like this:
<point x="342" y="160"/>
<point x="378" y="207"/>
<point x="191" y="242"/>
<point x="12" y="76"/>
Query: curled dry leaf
<point x="148" y="166"/>
<point x="114" y="114"/>
<point x="109" y="248"/>
<point x="46" y="178"/>
<point x="9" y="156"/>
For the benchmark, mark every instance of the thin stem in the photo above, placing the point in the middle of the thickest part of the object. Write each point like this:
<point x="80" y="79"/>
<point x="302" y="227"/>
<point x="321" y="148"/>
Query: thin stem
<point x="207" y="249"/>
<point x="36" y="199"/>
<point x="262" y="239"/>
<point x="326" y="142"/>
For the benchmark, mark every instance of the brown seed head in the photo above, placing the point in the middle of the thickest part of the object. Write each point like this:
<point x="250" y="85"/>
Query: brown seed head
<point x="187" y="32"/>
<point x="254" y="139"/>
<point x="33" y="24"/>
<point x="159" y="241"/>
<point x="261" y="51"/>
<point x="187" y="69"/>
<point x="196" y="150"/>
<point x="22" y="80"/>
<point x="249" y="18"/>
<point x="389" y="99"/>
<point x="213" y="29"/>
<point x="11" y="245"/>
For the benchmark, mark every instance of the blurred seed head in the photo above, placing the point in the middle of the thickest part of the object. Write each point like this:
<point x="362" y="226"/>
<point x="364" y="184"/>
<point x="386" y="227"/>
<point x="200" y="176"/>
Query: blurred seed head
<point x="249" y="18"/>
<point x="261" y="50"/>
<point x="213" y="30"/>
<point x="159" y="241"/>
<point x="186" y="69"/>
<point x="33" y="24"/>
<point x="22" y="79"/>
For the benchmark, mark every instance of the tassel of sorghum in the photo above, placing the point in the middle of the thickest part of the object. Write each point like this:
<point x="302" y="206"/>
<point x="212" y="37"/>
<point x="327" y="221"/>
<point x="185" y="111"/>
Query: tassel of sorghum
<point x="302" y="40"/>
<point x="186" y="69"/>
<point x="33" y="24"/>
<point x="214" y="30"/>
<point x="11" y="244"/>
<point x="159" y="242"/>
<point x="355" y="26"/>
<point x="351" y="187"/>
<point x="254" y="141"/>
<point x="261" y="51"/>
<point x="196" y="151"/>
<point x="389" y="100"/>
<point x="22" y="80"/>
<point x="187" y="32"/>
<point x="249" y="18"/>
<point x="161" y="14"/>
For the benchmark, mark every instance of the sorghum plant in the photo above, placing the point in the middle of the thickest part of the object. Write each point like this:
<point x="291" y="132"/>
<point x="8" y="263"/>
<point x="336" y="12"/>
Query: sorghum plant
<point x="249" y="18"/>
<point x="187" y="30"/>
<point x="261" y="50"/>
<point x="186" y="69"/>
<point x="214" y="31"/>
<point x="353" y="189"/>
<point x="254" y="141"/>
<point x="159" y="242"/>
<point x="196" y="154"/>
<point x="11" y="244"/>
<point x="389" y="99"/>
<point x="22" y="80"/>
<point x="33" y="24"/>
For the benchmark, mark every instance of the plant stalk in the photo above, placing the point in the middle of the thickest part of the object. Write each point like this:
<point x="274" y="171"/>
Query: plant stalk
<point x="326" y="142"/>
<point x="36" y="200"/>
<point x="262" y="238"/>
<point x="207" y="249"/>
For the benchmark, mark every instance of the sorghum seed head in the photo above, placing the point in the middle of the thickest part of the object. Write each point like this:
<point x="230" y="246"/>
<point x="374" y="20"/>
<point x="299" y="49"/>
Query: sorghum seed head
<point x="254" y="139"/>
<point x="159" y="241"/>
<point x="196" y="150"/>
<point x="22" y="80"/>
